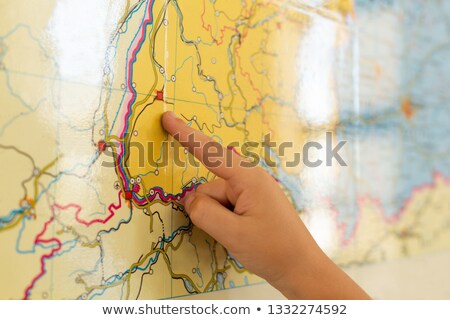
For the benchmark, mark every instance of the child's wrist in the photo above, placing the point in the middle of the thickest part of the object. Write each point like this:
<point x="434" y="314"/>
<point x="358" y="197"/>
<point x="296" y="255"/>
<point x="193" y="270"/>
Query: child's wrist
<point x="301" y="270"/>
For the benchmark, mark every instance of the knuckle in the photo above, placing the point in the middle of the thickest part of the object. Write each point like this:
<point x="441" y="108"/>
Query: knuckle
<point x="259" y="172"/>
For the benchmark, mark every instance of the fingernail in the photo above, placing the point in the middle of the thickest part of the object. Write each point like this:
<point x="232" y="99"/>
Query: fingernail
<point x="188" y="200"/>
<point x="170" y="114"/>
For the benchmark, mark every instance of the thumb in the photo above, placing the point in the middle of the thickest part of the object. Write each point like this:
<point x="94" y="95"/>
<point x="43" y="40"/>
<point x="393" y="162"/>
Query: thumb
<point x="212" y="217"/>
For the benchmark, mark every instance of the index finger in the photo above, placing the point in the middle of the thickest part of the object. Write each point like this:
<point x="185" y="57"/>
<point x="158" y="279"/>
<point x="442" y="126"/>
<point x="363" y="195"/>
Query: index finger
<point x="224" y="163"/>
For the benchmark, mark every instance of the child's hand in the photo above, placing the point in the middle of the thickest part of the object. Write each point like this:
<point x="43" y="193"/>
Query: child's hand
<point x="248" y="213"/>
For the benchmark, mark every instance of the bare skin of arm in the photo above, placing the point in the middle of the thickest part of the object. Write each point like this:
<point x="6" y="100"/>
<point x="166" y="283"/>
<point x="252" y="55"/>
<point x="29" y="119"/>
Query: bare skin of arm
<point x="247" y="212"/>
